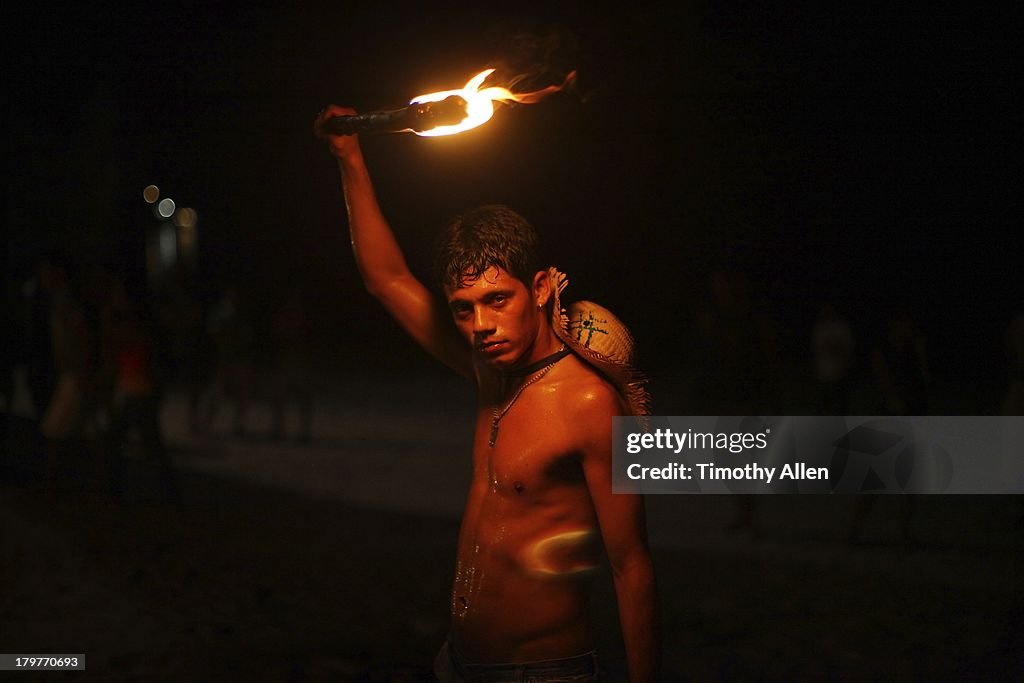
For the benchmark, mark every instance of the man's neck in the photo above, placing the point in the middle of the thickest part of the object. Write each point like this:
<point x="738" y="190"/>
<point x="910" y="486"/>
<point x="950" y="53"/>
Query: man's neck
<point x="546" y="345"/>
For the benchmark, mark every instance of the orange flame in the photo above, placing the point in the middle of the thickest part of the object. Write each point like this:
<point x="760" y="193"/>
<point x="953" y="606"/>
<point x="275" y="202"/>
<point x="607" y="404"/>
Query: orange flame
<point x="480" y="103"/>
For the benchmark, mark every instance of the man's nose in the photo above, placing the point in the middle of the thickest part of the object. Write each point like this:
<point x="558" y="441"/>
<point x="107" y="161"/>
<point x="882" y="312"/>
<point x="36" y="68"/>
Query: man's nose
<point x="483" y="323"/>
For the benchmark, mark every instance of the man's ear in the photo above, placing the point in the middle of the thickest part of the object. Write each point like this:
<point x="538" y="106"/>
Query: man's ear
<point x="541" y="288"/>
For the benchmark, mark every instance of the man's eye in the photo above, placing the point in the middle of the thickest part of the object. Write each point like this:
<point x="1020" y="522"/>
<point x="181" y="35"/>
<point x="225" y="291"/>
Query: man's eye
<point x="500" y="299"/>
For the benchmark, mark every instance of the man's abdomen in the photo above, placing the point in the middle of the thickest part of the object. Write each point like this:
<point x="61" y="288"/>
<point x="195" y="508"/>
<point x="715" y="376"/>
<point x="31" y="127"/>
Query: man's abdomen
<point x="522" y="581"/>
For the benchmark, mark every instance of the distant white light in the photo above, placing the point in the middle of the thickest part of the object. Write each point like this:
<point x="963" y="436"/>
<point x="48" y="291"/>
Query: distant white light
<point x="151" y="194"/>
<point x="165" y="208"/>
<point x="168" y="245"/>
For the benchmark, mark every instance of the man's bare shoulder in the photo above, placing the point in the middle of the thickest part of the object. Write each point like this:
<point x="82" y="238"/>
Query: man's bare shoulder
<point x="587" y="395"/>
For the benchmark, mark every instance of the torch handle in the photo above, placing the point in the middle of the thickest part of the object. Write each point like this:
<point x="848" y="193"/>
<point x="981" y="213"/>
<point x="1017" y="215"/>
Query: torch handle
<point x="374" y="122"/>
<point x="417" y="117"/>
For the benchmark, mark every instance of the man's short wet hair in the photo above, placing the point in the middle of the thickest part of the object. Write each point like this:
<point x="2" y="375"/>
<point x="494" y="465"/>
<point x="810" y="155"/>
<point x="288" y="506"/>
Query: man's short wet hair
<point x="488" y="236"/>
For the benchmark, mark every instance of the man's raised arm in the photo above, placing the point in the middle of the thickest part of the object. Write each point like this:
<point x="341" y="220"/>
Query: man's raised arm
<point x="380" y="259"/>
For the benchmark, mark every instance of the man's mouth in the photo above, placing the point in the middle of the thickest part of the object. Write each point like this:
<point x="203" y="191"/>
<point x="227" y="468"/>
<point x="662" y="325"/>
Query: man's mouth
<point x="490" y="347"/>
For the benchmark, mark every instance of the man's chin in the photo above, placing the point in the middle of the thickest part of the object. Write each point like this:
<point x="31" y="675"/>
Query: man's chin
<point x="505" y="360"/>
<point x="498" y="363"/>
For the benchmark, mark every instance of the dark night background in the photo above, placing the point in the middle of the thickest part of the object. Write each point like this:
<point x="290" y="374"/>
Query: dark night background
<point x="847" y="154"/>
<point x="827" y="153"/>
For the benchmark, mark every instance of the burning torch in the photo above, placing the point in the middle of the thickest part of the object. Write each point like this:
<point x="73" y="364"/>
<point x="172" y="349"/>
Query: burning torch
<point x="440" y="113"/>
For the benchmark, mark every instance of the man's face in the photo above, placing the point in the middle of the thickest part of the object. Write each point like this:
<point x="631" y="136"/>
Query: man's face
<point x="498" y="315"/>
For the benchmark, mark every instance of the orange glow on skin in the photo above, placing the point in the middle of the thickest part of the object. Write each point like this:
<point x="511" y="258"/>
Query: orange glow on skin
<point x="538" y="560"/>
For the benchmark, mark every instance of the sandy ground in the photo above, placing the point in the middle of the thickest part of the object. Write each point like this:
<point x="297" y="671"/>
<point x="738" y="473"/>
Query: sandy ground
<point x="330" y="561"/>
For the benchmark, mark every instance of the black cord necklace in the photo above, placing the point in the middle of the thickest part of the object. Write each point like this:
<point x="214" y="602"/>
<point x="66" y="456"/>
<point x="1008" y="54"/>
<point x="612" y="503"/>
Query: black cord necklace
<point x="534" y="367"/>
<point x="541" y="367"/>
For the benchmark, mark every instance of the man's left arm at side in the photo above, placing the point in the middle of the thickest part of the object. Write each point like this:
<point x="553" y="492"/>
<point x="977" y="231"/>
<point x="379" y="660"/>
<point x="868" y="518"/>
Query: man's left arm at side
<point x="623" y="530"/>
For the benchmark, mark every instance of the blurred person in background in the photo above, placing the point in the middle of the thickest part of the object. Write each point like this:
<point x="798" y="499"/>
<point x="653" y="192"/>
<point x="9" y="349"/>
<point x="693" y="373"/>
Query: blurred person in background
<point x="233" y="338"/>
<point x="41" y="373"/>
<point x="833" y="345"/>
<point x="181" y="317"/>
<point x="734" y="356"/>
<point x="292" y="370"/>
<point x="135" y="404"/>
<point x="70" y="418"/>
<point x="900" y="365"/>
<point x="1013" y="402"/>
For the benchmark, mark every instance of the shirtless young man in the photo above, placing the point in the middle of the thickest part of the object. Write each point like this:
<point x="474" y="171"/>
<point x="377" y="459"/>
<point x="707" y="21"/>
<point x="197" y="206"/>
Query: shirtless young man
<point x="540" y="504"/>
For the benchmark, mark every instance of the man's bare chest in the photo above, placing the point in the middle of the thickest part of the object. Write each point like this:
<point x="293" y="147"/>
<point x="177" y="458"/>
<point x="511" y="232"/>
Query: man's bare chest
<point x="533" y="448"/>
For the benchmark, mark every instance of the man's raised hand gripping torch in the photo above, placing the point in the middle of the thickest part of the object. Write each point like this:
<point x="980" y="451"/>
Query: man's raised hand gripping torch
<point x="341" y="145"/>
